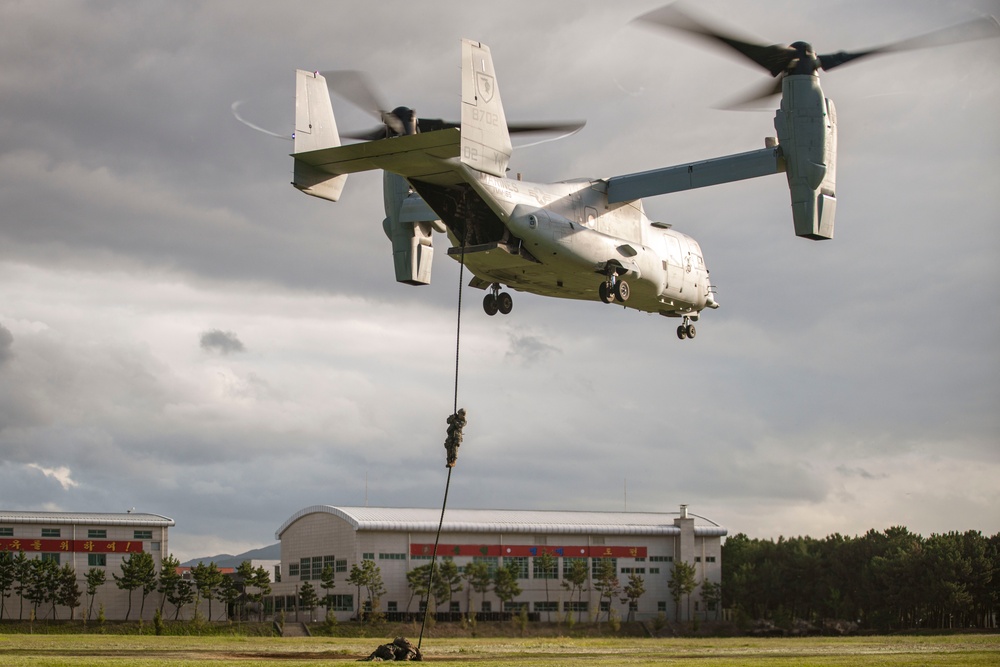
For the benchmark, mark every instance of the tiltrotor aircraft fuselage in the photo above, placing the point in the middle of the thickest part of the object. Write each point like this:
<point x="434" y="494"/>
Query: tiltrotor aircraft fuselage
<point x="583" y="239"/>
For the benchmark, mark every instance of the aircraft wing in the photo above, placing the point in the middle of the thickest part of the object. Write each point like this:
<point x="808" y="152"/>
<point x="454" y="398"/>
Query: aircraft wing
<point x="695" y="175"/>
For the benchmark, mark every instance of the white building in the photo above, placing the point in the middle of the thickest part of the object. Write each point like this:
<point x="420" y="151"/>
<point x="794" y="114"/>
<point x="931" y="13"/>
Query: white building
<point x="400" y="539"/>
<point x="86" y="540"/>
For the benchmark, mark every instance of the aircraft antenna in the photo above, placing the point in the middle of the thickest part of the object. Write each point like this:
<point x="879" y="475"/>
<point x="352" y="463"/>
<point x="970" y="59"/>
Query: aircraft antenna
<point x="456" y="422"/>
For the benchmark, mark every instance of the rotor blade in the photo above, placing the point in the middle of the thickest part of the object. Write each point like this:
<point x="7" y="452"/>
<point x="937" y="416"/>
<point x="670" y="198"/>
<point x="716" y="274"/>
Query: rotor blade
<point x="236" y="114"/>
<point x="366" y="135"/>
<point x="432" y="124"/>
<point x="569" y="127"/>
<point x="773" y="58"/>
<point x="984" y="27"/>
<point x="570" y="131"/>
<point x="355" y="87"/>
<point x="746" y="101"/>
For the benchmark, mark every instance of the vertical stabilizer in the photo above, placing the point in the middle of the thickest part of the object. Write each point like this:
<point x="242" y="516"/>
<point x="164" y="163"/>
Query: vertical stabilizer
<point x="485" y="141"/>
<point x="315" y="129"/>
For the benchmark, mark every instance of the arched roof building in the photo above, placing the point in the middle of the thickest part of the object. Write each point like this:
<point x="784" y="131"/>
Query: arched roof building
<point x="397" y="540"/>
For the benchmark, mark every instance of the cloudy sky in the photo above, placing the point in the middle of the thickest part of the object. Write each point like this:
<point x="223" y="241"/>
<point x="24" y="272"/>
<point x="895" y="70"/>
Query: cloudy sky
<point x="183" y="332"/>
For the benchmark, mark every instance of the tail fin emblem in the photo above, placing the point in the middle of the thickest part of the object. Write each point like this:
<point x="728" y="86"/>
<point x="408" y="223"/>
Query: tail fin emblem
<point x="484" y="84"/>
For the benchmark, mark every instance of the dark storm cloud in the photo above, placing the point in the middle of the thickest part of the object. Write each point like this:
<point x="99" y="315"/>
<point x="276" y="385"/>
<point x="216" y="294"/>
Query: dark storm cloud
<point x="222" y="342"/>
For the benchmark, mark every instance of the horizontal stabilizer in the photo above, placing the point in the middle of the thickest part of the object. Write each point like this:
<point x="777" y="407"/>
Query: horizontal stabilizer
<point x="411" y="156"/>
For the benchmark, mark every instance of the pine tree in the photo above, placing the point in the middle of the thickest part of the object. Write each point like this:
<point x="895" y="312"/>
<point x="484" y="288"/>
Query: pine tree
<point x="307" y="598"/>
<point x="606" y="583"/>
<point x="95" y="578"/>
<point x="170" y="577"/>
<point x="69" y="590"/>
<point x="328" y="580"/>
<point x="505" y="585"/>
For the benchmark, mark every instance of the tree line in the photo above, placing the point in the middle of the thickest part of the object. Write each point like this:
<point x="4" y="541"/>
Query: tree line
<point x="45" y="586"/>
<point x="883" y="580"/>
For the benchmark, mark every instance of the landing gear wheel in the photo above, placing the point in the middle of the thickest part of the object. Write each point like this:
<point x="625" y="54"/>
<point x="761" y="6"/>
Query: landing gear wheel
<point x="621" y="291"/>
<point x="504" y="303"/>
<point x="691" y="331"/>
<point x="682" y="332"/>
<point x="490" y="305"/>
<point x="605" y="292"/>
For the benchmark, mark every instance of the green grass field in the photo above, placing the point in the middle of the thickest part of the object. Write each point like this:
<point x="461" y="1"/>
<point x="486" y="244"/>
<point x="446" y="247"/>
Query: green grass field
<point x="95" y="650"/>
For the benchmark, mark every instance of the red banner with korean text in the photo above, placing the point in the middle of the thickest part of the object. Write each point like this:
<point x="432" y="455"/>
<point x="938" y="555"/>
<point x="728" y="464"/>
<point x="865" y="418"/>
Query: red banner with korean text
<point x="71" y="546"/>
<point x="527" y="550"/>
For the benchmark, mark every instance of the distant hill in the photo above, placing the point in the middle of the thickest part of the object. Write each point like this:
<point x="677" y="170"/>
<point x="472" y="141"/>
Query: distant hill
<point x="272" y="552"/>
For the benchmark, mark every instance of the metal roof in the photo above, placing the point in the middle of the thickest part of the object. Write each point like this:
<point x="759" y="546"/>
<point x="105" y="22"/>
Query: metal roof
<point x="85" y="518"/>
<point x="425" y="520"/>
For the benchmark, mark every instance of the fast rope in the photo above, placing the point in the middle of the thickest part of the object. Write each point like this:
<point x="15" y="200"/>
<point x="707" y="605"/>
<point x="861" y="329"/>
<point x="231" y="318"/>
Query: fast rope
<point x="456" y="422"/>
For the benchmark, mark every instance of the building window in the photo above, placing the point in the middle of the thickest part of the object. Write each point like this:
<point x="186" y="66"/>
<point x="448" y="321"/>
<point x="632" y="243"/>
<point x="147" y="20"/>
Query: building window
<point x="709" y="559"/>
<point x="640" y="559"/>
<point x="50" y="532"/>
<point x="340" y="565"/>
<point x="6" y="532"/>
<point x="385" y="556"/>
<point x="520" y="564"/>
<point x="392" y="606"/>
<point x="575" y="605"/>
<point x="343" y="602"/>
<point x="661" y="605"/>
<point x="538" y="572"/>
<point x="329" y="561"/>
<point x="605" y="605"/>
<point x="97" y="560"/>
<point x="455" y="607"/>
<point x="633" y="570"/>
<point x="546" y="606"/>
<point x="492" y="563"/>
<point x="317" y="568"/>
<point x="293" y="569"/>
<point x="54" y="557"/>
<point x="595" y="566"/>
<point x="94" y="534"/>
<point x="142" y="535"/>
<point x="368" y="555"/>
<point x="487" y="606"/>
<point x="654" y="570"/>
<point x="514" y="606"/>
<point x="661" y="559"/>
<point x="697" y="559"/>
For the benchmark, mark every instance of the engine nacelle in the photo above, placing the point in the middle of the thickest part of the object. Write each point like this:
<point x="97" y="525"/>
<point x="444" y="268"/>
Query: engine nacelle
<point x="409" y="224"/>
<point x="807" y="131"/>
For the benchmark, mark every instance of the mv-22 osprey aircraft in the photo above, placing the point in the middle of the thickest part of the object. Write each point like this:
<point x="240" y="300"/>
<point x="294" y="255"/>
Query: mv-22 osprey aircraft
<point x="582" y="239"/>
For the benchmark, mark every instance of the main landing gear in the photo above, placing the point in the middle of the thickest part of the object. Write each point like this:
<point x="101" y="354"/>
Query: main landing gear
<point x="612" y="289"/>
<point x="686" y="329"/>
<point x="497" y="302"/>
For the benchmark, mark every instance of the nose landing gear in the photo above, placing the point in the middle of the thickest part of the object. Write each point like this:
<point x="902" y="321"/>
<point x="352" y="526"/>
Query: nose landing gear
<point x="497" y="302"/>
<point x="686" y="329"/>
